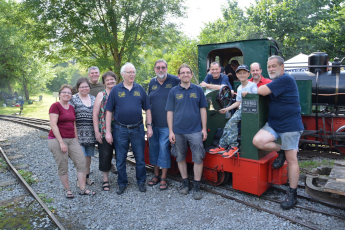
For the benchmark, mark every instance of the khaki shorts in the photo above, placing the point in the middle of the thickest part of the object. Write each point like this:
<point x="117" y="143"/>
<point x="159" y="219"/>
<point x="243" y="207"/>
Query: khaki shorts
<point x="74" y="152"/>
<point x="179" y="149"/>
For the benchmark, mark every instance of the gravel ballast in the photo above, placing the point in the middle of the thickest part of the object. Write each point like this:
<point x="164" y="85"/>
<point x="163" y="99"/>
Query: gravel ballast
<point x="154" y="209"/>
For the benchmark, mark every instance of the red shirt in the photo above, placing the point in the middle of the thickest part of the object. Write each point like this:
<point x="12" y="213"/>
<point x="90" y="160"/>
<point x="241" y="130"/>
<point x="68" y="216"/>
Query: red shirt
<point x="65" y="121"/>
<point x="263" y="81"/>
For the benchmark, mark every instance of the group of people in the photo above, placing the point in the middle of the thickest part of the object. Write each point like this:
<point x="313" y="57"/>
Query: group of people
<point x="176" y="117"/>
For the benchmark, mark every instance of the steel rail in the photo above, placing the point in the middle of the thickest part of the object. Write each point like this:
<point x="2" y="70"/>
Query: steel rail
<point x="32" y="192"/>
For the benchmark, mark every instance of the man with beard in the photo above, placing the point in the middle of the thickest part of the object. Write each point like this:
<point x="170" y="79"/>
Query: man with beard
<point x="216" y="80"/>
<point x="159" y="149"/>
<point x="284" y="121"/>
<point x="257" y="78"/>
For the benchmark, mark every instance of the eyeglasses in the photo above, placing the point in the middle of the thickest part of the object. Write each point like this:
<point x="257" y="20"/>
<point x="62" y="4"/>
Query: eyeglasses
<point x="64" y="92"/>
<point x="84" y="87"/>
<point x="185" y="73"/>
<point x="161" y="67"/>
<point x="130" y="72"/>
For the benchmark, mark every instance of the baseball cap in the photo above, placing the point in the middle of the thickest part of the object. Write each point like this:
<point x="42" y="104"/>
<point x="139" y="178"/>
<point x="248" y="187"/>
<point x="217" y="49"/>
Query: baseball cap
<point x="244" y="67"/>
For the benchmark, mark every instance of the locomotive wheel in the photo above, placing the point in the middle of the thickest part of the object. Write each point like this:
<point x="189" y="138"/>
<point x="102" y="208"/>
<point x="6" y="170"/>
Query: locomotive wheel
<point x="222" y="177"/>
<point x="174" y="168"/>
<point x="341" y="144"/>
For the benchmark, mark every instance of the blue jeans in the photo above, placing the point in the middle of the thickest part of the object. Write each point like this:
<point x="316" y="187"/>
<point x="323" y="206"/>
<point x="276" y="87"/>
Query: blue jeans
<point x="88" y="150"/>
<point x="159" y="149"/>
<point x="122" y="137"/>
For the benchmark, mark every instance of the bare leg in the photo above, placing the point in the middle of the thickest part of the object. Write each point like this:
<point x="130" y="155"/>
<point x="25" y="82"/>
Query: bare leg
<point x="64" y="181"/>
<point x="82" y="179"/>
<point x="182" y="166"/>
<point x="265" y="140"/>
<point x="88" y="163"/>
<point x="198" y="168"/>
<point x="105" y="176"/>
<point x="164" y="173"/>
<point x="293" y="167"/>
<point x="156" y="170"/>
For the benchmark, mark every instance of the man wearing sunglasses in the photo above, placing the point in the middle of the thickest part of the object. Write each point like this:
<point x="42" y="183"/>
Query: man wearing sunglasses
<point x="159" y="149"/>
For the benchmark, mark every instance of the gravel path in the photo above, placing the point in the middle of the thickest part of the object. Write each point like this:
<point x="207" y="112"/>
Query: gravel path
<point x="154" y="209"/>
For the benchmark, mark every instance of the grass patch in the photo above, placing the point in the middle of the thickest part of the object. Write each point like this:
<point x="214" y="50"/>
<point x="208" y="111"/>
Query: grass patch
<point x="309" y="165"/>
<point x="3" y="164"/>
<point x="45" y="199"/>
<point x="27" y="176"/>
<point x="38" y="109"/>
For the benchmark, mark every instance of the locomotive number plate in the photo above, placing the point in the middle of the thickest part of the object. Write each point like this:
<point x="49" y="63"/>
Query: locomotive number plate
<point x="249" y="106"/>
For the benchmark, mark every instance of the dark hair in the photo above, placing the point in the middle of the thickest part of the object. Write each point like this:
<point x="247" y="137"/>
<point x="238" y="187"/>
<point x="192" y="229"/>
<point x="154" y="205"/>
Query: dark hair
<point x="234" y="62"/>
<point x="184" y="66"/>
<point x="64" y="86"/>
<point x="109" y="73"/>
<point x="81" y="80"/>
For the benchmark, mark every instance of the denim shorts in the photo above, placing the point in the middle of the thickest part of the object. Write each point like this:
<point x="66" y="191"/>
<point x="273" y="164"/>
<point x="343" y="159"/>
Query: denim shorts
<point x="179" y="149"/>
<point x="159" y="147"/>
<point x="289" y="140"/>
<point x="89" y="150"/>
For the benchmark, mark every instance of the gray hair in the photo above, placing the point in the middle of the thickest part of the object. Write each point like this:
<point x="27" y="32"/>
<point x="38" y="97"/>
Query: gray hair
<point x="93" y="67"/>
<point x="215" y="63"/>
<point x="279" y="59"/>
<point x="127" y="64"/>
<point x="161" y="60"/>
<point x="256" y="63"/>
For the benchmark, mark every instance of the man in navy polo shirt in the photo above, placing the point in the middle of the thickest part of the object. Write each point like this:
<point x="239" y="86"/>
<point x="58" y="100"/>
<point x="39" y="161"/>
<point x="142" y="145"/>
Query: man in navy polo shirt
<point x="215" y="80"/>
<point x="284" y="121"/>
<point x="126" y="100"/>
<point x="186" y="106"/>
<point x="159" y="149"/>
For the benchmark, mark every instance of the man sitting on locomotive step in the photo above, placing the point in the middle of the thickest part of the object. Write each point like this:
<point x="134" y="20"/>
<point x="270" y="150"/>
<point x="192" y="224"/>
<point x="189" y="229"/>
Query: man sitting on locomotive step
<point x="284" y="121"/>
<point x="230" y="133"/>
<point x="257" y="78"/>
<point x="216" y="80"/>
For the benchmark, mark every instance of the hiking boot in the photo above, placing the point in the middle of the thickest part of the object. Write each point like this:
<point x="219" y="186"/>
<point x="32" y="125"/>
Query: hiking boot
<point x="290" y="199"/>
<point x="219" y="149"/>
<point x="279" y="161"/>
<point x="231" y="152"/>
<point x="196" y="191"/>
<point x="186" y="187"/>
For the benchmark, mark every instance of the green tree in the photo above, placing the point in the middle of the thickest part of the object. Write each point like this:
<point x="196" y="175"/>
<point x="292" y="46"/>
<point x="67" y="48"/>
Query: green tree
<point x="105" y="33"/>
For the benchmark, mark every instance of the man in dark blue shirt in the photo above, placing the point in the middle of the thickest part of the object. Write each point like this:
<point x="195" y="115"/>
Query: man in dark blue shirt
<point x="284" y="121"/>
<point x="159" y="149"/>
<point x="216" y="80"/>
<point x="127" y="100"/>
<point x="186" y="106"/>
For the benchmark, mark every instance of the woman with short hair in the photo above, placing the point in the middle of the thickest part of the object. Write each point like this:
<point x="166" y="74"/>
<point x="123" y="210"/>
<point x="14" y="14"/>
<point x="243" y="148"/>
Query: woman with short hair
<point x="63" y="141"/>
<point x="105" y="149"/>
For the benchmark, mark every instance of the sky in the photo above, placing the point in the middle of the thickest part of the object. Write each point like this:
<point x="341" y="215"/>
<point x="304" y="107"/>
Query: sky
<point x="203" y="11"/>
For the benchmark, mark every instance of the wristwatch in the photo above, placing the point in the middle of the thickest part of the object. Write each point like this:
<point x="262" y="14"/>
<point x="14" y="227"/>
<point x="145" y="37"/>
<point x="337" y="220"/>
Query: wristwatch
<point x="149" y="124"/>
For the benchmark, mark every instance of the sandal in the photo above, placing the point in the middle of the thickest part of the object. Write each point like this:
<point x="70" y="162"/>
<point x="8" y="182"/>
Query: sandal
<point x="106" y="187"/>
<point x="69" y="195"/>
<point x="153" y="182"/>
<point x="84" y="192"/>
<point x="163" y="186"/>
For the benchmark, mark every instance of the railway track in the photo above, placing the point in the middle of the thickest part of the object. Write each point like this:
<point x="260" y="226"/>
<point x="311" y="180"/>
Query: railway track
<point x="28" y="188"/>
<point x="224" y="191"/>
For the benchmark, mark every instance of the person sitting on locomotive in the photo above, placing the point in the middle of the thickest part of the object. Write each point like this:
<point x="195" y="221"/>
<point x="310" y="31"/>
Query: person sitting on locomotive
<point x="257" y="78"/>
<point x="216" y="80"/>
<point x="230" y="71"/>
<point x="230" y="133"/>
<point x="284" y="121"/>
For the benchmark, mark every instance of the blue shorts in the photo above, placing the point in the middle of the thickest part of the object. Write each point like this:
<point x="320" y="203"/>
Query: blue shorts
<point x="89" y="150"/>
<point x="159" y="147"/>
<point x="289" y="140"/>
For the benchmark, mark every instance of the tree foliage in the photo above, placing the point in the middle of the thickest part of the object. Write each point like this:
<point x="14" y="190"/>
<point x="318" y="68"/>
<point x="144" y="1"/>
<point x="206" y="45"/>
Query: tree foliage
<point x="105" y="33"/>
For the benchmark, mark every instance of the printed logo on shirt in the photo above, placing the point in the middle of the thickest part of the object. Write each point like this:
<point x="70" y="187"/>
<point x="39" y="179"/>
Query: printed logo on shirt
<point x="179" y="96"/>
<point x="193" y="95"/>
<point x="137" y="93"/>
<point x="168" y="86"/>
<point x="122" y="94"/>
<point x="154" y="87"/>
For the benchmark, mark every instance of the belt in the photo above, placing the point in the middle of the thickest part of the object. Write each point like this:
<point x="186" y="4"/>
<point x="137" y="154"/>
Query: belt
<point x="129" y="126"/>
